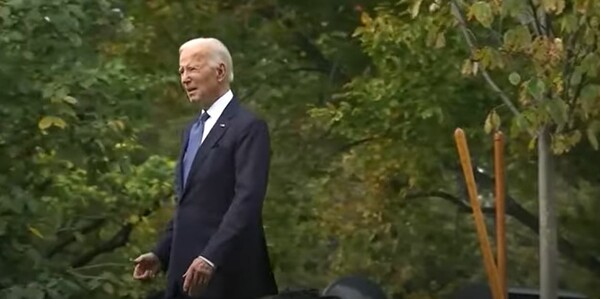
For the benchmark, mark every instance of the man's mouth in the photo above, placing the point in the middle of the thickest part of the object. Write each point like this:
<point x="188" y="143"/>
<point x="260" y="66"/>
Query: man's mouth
<point x="189" y="90"/>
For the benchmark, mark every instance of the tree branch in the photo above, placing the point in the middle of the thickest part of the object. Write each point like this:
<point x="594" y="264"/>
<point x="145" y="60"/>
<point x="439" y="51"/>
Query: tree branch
<point x="566" y="248"/>
<point x="97" y="223"/>
<point x="570" y="59"/>
<point x="119" y="239"/>
<point x="526" y="218"/>
<point x="577" y="61"/>
<point x="355" y="143"/>
<point x="463" y="27"/>
<point x="310" y="69"/>
<point x="306" y="45"/>
<point x="537" y="26"/>
<point x="463" y="206"/>
<point x="251" y="91"/>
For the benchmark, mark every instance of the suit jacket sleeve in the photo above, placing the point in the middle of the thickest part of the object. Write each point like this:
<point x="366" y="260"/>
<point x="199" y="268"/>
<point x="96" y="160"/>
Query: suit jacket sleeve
<point x="252" y="155"/>
<point x="163" y="247"/>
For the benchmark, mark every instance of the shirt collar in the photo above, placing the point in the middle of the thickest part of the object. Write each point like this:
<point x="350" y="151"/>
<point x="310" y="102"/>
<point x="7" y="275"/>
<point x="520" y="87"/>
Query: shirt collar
<point x="217" y="108"/>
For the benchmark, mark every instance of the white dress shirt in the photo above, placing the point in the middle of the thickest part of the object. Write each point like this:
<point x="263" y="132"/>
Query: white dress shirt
<point x="215" y="111"/>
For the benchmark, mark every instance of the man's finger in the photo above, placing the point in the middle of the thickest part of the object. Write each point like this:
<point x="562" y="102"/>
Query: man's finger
<point x="193" y="285"/>
<point x="203" y="278"/>
<point x="186" y="280"/>
<point x="137" y="272"/>
<point x="138" y="275"/>
<point x="193" y="280"/>
<point x="145" y="274"/>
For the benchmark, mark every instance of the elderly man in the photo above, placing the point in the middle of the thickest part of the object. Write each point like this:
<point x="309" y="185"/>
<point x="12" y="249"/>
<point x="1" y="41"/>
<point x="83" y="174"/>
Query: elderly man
<point x="214" y="246"/>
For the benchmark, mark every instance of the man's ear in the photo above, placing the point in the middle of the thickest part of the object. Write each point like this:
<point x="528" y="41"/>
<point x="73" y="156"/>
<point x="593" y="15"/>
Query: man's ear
<point x="221" y="72"/>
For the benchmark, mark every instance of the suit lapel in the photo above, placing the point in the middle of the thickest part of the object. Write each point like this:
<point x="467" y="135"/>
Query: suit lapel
<point x="217" y="131"/>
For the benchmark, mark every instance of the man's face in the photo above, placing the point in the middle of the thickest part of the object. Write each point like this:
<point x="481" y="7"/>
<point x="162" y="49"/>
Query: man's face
<point x="199" y="78"/>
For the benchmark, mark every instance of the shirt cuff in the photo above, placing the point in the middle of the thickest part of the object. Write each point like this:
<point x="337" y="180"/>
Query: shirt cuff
<point x="206" y="260"/>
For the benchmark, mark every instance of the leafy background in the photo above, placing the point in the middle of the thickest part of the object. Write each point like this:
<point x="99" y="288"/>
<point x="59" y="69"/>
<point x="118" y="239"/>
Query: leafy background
<point x="361" y="97"/>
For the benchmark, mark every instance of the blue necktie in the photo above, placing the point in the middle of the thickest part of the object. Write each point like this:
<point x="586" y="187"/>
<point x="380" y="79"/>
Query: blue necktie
<point x="194" y="141"/>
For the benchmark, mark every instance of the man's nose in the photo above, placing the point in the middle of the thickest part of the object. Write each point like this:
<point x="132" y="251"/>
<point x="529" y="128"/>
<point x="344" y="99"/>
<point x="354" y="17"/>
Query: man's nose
<point x="185" y="78"/>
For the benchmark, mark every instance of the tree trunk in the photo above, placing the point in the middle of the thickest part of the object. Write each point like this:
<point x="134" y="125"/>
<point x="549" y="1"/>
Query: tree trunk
<point x="548" y="227"/>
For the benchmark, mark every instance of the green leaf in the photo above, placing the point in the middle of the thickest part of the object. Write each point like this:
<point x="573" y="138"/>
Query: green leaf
<point x="489" y="58"/>
<point x="3" y="225"/>
<point x="563" y="143"/>
<point x="48" y="121"/>
<point x="514" y="78"/>
<point x="53" y="294"/>
<point x="15" y="36"/>
<point x="558" y="110"/>
<point x="48" y="90"/>
<point x="576" y="77"/>
<point x="514" y="8"/>
<point x="532" y="143"/>
<point x="568" y="23"/>
<point x="4" y="13"/>
<point x="79" y="237"/>
<point x="517" y="39"/>
<point x="108" y="288"/>
<point x="483" y="13"/>
<point x="37" y="294"/>
<point x="591" y="133"/>
<point x="365" y="19"/>
<point x="35" y="231"/>
<point x="70" y="100"/>
<point x="492" y="122"/>
<point x="536" y="88"/>
<point x="590" y="64"/>
<point x="414" y="8"/>
<point x="589" y="98"/>
<point x="15" y="3"/>
<point x="440" y="41"/>
<point x="30" y="292"/>
<point x="467" y="67"/>
<point x="555" y="6"/>
<point x="134" y="219"/>
<point x="70" y="286"/>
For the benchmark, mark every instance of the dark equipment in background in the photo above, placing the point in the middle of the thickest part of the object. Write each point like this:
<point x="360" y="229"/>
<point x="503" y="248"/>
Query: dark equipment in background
<point x="482" y="291"/>
<point x="299" y="294"/>
<point x="348" y="287"/>
<point x="354" y="287"/>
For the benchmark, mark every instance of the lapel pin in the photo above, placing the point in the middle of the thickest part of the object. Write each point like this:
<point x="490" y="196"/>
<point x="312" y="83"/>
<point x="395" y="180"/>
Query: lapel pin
<point x="222" y="125"/>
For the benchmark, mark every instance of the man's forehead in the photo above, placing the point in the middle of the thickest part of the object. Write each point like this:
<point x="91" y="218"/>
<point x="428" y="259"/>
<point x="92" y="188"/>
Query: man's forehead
<point x="195" y="48"/>
<point x="188" y="55"/>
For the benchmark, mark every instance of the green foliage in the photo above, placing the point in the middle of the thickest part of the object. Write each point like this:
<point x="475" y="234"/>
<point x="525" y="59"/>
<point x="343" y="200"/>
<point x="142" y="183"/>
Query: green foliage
<point x="361" y="100"/>
<point x="76" y="180"/>
<point x="526" y="70"/>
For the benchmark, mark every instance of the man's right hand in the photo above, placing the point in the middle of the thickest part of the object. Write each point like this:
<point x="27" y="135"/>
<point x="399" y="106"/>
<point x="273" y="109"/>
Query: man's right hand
<point x="147" y="266"/>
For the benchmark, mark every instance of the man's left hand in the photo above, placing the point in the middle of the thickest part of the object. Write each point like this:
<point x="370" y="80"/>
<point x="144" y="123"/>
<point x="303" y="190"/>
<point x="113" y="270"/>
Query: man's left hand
<point x="197" y="276"/>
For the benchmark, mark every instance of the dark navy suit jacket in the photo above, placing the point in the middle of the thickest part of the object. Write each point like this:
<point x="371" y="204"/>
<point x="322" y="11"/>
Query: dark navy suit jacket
<point x="218" y="213"/>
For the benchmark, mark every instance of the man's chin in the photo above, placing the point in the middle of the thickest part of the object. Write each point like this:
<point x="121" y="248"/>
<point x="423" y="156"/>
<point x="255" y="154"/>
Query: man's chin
<point x="197" y="101"/>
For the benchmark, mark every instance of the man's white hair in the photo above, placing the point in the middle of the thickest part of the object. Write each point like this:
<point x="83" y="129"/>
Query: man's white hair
<point x="218" y="52"/>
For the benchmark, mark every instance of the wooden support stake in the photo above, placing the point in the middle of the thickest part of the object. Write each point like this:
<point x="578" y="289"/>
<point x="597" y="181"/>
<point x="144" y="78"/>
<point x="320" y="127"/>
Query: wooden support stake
<point x="484" y="242"/>
<point x="500" y="202"/>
